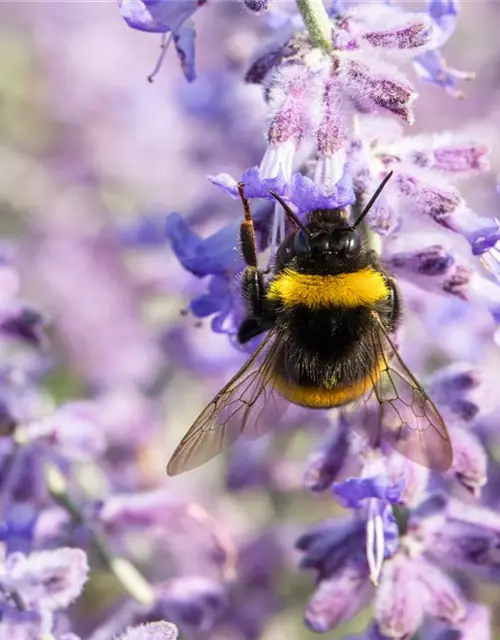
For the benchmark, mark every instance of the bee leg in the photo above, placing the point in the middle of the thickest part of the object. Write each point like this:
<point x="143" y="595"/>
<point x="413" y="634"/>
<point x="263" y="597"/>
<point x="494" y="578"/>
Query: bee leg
<point x="252" y="284"/>
<point x="247" y="232"/>
<point x="249" y="328"/>
<point x="392" y="318"/>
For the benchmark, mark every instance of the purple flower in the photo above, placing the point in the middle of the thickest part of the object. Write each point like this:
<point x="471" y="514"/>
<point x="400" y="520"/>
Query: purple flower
<point x="388" y="28"/>
<point x="23" y="322"/>
<point x="326" y="463"/>
<point x="430" y="65"/>
<point x="313" y="95"/>
<point x="477" y="625"/>
<point x="47" y="580"/>
<point x="337" y="599"/>
<point x="215" y="255"/>
<point x="218" y="256"/>
<point x="17" y="527"/>
<point x="451" y="387"/>
<point x="308" y="195"/>
<point x="415" y="189"/>
<point x="166" y="17"/>
<point x="445" y="601"/>
<point x="253" y="599"/>
<point x="157" y="16"/>
<point x="157" y="512"/>
<point x="303" y="192"/>
<point x="289" y="90"/>
<point x="397" y="611"/>
<point x="249" y="466"/>
<point x="257" y="184"/>
<point x="433" y="260"/>
<point x="184" y="41"/>
<point x="329" y="546"/>
<point x="375" y="495"/>
<point x="145" y="230"/>
<point x="221" y="301"/>
<point x="23" y="625"/>
<point x="70" y="432"/>
<point x="455" y="155"/>
<point x="193" y="604"/>
<point x="434" y="268"/>
<point x="151" y="631"/>
<point x="354" y="491"/>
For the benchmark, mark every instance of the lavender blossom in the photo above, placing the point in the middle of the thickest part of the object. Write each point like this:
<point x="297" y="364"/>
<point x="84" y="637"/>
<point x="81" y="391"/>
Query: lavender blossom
<point x="118" y="347"/>
<point x="47" y="580"/>
<point x="375" y="495"/>
<point x="431" y="66"/>
<point x="156" y="16"/>
<point x="152" y="631"/>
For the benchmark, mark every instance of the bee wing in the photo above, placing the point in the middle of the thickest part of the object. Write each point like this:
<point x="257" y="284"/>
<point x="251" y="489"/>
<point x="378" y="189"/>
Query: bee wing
<point x="247" y="405"/>
<point x="408" y="419"/>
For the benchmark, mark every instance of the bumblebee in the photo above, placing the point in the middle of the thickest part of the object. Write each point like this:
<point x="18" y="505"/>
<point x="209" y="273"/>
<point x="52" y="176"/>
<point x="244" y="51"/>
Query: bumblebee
<point x="328" y="308"/>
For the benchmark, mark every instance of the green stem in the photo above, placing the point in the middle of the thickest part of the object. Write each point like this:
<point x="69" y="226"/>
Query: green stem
<point x="317" y="22"/>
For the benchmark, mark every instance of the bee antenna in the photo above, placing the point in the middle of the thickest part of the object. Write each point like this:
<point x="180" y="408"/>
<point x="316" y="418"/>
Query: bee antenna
<point x="289" y="213"/>
<point x="372" y="200"/>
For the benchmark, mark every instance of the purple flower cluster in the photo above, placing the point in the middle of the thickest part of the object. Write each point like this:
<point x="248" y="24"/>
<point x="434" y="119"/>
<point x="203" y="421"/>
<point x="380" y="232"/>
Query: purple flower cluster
<point x="337" y="102"/>
<point x="95" y="541"/>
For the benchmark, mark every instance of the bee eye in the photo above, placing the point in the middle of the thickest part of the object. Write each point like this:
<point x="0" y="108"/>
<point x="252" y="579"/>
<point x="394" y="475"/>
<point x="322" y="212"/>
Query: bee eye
<point x="351" y="244"/>
<point x="301" y="243"/>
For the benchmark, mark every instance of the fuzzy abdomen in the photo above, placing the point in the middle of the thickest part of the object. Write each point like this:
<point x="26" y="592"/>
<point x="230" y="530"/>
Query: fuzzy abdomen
<point x="328" y="357"/>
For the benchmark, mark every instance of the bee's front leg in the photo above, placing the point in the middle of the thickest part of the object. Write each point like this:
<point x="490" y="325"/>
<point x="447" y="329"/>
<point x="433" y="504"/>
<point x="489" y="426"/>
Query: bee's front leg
<point x="252" y="283"/>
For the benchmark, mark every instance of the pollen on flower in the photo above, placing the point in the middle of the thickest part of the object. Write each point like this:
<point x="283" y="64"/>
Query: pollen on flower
<point x="380" y="87"/>
<point x="390" y="28"/>
<point x="430" y="200"/>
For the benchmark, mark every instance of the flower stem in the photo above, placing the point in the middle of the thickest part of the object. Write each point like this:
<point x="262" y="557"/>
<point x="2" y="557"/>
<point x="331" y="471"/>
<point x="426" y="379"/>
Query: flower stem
<point x="317" y="22"/>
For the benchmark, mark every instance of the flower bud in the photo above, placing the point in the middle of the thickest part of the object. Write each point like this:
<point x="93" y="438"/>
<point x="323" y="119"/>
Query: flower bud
<point x="433" y="260"/>
<point x="469" y="460"/>
<point x="397" y="609"/>
<point x="377" y="87"/>
<point x="451" y="153"/>
<point x="337" y="599"/>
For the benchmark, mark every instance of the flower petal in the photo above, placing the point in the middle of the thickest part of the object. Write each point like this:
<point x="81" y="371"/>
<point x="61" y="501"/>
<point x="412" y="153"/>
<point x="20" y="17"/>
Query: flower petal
<point x="325" y="464"/>
<point x="47" y="579"/>
<point x="354" y="491"/>
<point x="69" y="434"/>
<point x="337" y="599"/>
<point x="397" y="610"/>
<point x="151" y="631"/>
<point x="469" y="460"/>
<point x="307" y="195"/>
<point x="328" y="546"/>
<point x="157" y="16"/>
<point x="215" y="255"/>
<point x="184" y="41"/>
<point x="444" y="601"/>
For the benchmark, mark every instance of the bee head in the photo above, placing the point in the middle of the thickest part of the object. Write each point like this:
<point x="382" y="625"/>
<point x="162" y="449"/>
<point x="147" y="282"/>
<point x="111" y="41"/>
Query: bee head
<point x="322" y="249"/>
<point x="327" y="243"/>
<point x="338" y="243"/>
